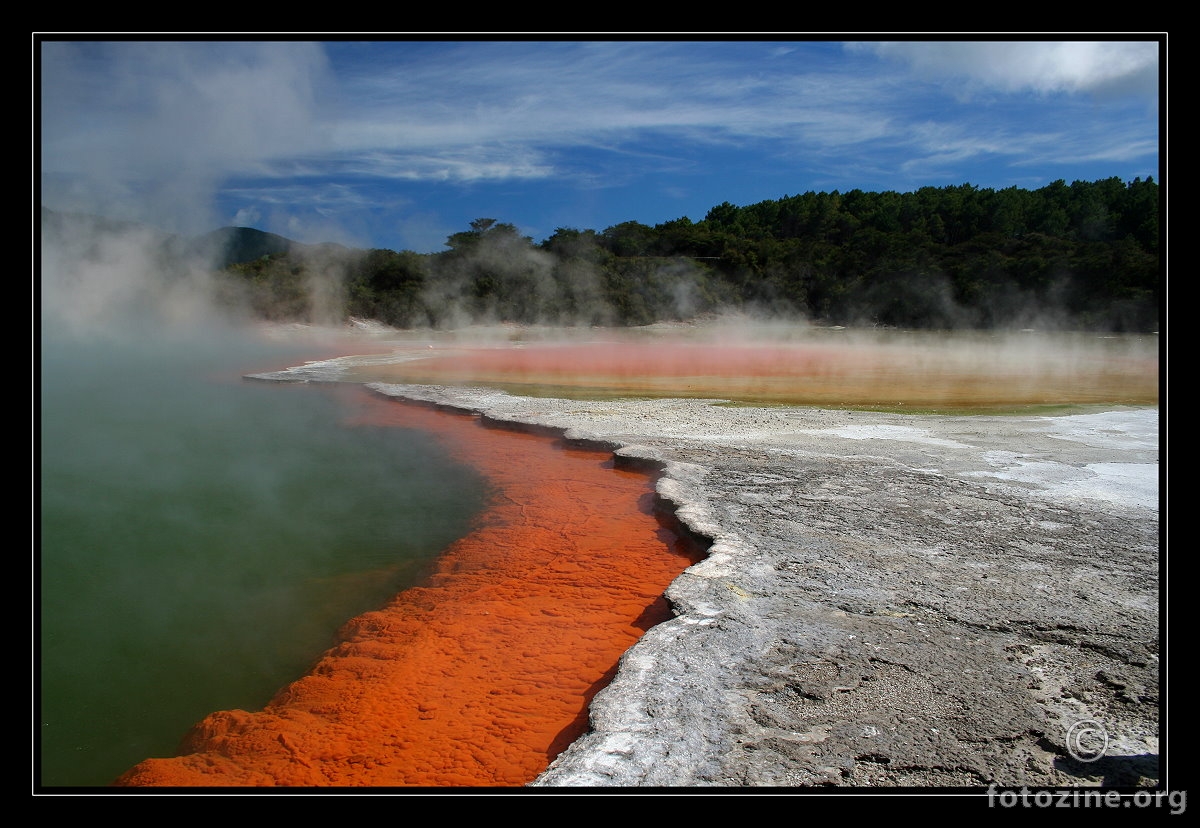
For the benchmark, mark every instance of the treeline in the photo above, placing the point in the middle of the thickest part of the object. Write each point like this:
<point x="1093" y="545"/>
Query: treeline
<point x="1079" y="256"/>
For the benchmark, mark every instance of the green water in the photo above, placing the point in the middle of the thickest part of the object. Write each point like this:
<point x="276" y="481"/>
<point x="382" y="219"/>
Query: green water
<point x="200" y="539"/>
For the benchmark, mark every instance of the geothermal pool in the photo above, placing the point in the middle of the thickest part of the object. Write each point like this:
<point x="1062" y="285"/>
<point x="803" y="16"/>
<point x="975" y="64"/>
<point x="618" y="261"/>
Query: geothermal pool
<point x="201" y="539"/>
<point x="480" y="676"/>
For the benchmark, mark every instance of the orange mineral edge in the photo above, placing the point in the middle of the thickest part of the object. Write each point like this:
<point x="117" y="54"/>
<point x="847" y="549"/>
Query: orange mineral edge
<point x="482" y="675"/>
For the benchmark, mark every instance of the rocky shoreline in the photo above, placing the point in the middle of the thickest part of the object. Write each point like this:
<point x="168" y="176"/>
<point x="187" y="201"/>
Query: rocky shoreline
<point x="888" y="601"/>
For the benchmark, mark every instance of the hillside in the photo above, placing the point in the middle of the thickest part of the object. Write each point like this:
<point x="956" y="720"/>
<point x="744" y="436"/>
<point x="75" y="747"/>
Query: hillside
<point x="1084" y="256"/>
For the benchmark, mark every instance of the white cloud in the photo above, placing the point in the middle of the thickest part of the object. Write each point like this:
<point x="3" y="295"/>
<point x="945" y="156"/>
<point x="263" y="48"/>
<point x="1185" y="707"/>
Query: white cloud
<point x="247" y="217"/>
<point x="452" y="164"/>
<point x="1099" y="67"/>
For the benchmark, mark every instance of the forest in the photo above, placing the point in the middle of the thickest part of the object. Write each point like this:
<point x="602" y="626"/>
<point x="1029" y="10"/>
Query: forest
<point x="1079" y="256"/>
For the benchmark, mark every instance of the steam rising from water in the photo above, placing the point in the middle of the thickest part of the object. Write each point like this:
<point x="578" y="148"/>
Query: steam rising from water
<point x="747" y="360"/>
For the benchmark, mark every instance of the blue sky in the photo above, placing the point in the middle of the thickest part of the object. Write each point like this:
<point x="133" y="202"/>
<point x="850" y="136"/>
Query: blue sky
<point x="400" y="143"/>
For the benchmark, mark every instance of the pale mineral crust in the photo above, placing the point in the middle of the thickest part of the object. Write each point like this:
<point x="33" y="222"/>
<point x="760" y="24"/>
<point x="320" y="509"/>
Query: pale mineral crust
<point x="888" y="600"/>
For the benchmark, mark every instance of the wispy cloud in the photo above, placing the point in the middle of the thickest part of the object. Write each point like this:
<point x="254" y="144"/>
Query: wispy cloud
<point x="127" y="122"/>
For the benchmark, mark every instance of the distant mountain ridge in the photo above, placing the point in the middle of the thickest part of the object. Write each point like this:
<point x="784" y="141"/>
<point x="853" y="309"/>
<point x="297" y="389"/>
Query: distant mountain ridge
<point x="233" y="245"/>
